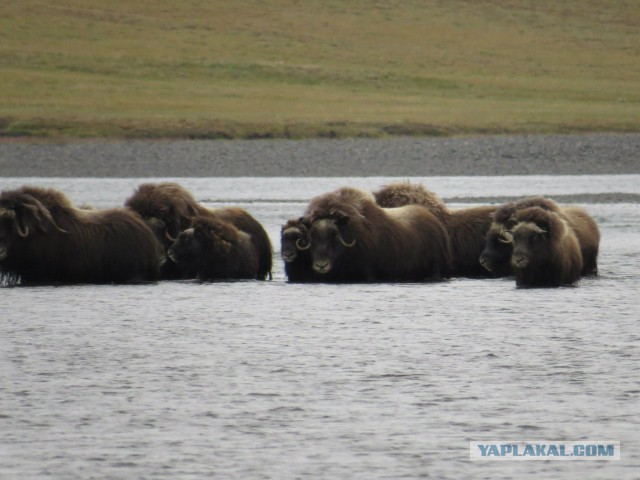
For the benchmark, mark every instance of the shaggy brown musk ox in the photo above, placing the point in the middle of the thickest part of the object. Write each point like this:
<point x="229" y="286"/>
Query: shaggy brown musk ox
<point x="466" y="228"/>
<point x="355" y="240"/>
<point x="215" y="249"/>
<point x="546" y="252"/>
<point x="294" y="250"/>
<point x="168" y="208"/>
<point x="496" y="255"/>
<point x="44" y="239"/>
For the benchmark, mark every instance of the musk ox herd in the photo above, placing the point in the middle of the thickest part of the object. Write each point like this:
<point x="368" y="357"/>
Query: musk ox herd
<point x="401" y="233"/>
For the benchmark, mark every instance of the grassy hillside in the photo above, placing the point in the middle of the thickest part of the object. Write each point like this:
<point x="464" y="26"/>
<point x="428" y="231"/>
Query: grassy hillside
<point x="249" y="68"/>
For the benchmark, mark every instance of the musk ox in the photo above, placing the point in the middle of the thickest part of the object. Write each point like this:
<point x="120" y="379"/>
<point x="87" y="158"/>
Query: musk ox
<point x="496" y="255"/>
<point x="546" y="252"/>
<point x="168" y="208"/>
<point x="294" y="250"/>
<point x="466" y="228"/>
<point x="352" y="239"/>
<point x="45" y="239"/>
<point x="214" y="249"/>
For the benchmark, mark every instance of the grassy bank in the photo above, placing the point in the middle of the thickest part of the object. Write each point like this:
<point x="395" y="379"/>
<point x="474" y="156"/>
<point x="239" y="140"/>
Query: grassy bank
<point x="276" y="68"/>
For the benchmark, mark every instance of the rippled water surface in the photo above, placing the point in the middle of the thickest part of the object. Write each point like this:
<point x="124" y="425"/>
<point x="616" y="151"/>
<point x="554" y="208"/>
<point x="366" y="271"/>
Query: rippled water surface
<point x="252" y="379"/>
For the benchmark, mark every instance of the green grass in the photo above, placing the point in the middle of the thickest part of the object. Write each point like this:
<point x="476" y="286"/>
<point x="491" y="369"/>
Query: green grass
<point x="330" y="68"/>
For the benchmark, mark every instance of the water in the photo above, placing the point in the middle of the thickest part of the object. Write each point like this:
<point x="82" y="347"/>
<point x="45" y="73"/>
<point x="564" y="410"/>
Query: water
<point x="242" y="380"/>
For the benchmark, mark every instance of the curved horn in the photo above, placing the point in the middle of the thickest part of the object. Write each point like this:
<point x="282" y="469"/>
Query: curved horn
<point x="345" y="243"/>
<point x="506" y="237"/>
<point x="168" y="236"/>
<point x="22" y="233"/>
<point x="302" y="247"/>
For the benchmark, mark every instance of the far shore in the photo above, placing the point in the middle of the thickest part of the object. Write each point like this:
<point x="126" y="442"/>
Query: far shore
<point x="572" y="154"/>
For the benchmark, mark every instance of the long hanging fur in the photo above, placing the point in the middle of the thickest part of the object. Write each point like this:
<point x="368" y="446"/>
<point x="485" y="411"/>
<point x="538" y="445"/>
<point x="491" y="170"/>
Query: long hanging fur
<point x="48" y="240"/>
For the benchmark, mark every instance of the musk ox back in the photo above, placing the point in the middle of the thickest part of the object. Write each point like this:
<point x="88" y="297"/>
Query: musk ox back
<point x="216" y="250"/>
<point x="45" y="239"/>
<point x="496" y="255"/>
<point x="355" y="240"/>
<point x="168" y="208"/>
<point x="546" y="252"/>
<point x="294" y="250"/>
<point x="466" y="228"/>
<point x="405" y="193"/>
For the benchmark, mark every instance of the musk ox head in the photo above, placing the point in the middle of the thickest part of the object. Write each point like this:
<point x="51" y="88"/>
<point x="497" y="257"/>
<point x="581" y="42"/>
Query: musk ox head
<point x="331" y="239"/>
<point x="22" y="216"/>
<point x="294" y="238"/>
<point x="533" y="233"/>
<point x="497" y="251"/>
<point x="167" y="208"/>
<point x="209" y="238"/>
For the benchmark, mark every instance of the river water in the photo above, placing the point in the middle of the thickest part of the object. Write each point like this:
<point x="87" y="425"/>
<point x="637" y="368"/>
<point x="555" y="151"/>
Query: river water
<point x="244" y="380"/>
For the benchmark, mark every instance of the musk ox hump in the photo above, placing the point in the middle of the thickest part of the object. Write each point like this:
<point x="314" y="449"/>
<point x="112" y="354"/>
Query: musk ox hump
<point x="405" y="193"/>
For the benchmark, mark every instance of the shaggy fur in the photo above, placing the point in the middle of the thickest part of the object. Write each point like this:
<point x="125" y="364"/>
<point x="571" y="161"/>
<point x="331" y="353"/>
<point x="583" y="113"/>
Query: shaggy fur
<point x="44" y="239"/>
<point x="405" y="193"/>
<point x="355" y="240"/>
<point x="466" y="228"/>
<point x="497" y="252"/>
<point x="169" y="208"/>
<point x="294" y="250"/>
<point x="546" y="252"/>
<point x="215" y="249"/>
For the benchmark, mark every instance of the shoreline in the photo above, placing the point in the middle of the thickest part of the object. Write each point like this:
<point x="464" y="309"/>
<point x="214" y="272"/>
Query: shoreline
<point x="491" y="155"/>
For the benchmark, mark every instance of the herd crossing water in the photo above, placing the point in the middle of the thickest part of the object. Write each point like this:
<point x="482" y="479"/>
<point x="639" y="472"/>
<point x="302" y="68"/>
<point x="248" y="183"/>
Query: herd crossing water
<point x="252" y="379"/>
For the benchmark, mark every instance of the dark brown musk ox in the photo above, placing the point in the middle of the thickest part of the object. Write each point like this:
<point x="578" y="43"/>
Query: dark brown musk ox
<point x="294" y="250"/>
<point x="168" y="208"/>
<point x="466" y="227"/>
<point x="546" y="252"/>
<point x="355" y="240"/>
<point x="44" y="239"/>
<point x="215" y="249"/>
<point x="496" y="255"/>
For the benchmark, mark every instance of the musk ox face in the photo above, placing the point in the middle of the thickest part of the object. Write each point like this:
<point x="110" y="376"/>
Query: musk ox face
<point x="22" y="216"/>
<point x="497" y="252"/>
<point x="167" y="208"/>
<point x="331" y="240"/>
<point x="530" y="244"/>
<point x="208" y="238"/>
<point x="188" y="247"/>
<point x="294" y="239"/>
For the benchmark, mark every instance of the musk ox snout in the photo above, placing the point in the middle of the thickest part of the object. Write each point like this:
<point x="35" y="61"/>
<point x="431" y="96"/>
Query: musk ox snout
<point x="486" y="263"/>
<point x="519" y="260"/>
<point x="322" y="266"/>
<point x="289" y="256"/>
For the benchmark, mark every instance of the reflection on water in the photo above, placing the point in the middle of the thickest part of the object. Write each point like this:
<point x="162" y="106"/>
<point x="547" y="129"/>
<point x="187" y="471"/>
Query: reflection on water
<point x="270" y="380"/>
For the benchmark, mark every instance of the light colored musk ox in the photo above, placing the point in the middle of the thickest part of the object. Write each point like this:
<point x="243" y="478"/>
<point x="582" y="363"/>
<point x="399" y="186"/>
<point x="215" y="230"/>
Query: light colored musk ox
<point x="466" y="227"/>
<point x="546" y="252"/>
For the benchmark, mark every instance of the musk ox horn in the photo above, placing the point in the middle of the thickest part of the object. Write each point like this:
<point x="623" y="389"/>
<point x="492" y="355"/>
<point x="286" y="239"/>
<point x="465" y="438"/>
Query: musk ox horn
<point x="301" y="246"/>
<point x="506" y="237"/>
<point x="345" y="243"/>
<point x="22" y="233"/>
<point x="169" y="237"/>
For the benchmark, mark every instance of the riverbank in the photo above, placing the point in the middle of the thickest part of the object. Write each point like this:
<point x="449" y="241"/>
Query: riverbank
<point x="592" y="154"/>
